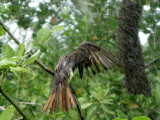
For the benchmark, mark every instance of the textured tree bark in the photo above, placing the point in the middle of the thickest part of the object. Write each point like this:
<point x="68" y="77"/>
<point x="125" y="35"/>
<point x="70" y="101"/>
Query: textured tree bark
<point x="130" y="48"/>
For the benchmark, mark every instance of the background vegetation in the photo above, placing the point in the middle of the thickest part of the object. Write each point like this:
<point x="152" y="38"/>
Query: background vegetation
<point x="52" y="29"/>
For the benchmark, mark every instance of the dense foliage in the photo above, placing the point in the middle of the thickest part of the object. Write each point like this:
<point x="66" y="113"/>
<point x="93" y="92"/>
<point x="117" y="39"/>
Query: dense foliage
<point x="57" y="28"/>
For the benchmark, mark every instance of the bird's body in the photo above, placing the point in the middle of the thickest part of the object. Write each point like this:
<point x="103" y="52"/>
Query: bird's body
<point x="86" y="56"/>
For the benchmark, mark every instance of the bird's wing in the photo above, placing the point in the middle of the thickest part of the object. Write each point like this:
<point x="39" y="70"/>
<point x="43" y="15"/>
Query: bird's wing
<point x="90" y="56"/>
<point x="87" y="55"/>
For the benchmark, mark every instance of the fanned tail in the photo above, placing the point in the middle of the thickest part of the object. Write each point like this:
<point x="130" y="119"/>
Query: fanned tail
<point x="62" y="98"/>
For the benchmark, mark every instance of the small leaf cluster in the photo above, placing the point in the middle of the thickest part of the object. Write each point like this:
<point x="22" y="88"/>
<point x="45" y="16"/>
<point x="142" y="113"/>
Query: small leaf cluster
<point x="15" y="59"/>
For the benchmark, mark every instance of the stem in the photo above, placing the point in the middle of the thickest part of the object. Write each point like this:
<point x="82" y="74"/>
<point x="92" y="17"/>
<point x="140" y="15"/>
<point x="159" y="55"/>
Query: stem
<point x="10" y="100"/>
<point x="43" y="66"/>
<point x="78" y="105"/>
<point x="151" y="62"/>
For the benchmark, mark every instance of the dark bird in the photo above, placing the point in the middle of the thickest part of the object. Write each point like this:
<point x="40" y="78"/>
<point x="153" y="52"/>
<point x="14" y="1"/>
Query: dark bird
<point x="86" y="56"/>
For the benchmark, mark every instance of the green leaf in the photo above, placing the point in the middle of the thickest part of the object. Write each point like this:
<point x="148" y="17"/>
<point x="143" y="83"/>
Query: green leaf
<point x="8" y="51"/>
<point x="43" y="34"/>
<point x="86" y="105"/>
<point x="32" y="58"/>
<point x="8" y="113"/>
<point x="90" y="112"/>
<point x="2" y="31"/>
<point x="120" y="77"/>
<point x="121" y="115"/>
<point x="15" y="58"/>
<point x="141" y="118"/>
<point x="18" y="69"/>
<point x="105" y="109"/>
<point x="5" y="63"/>
<point x="21" y="49"/>
<point x="58" y="28"/>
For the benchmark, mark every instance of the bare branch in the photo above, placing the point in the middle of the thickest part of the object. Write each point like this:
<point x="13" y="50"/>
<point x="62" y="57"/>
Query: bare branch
<point x="7" y="30"/>
<point x="151" y="62"/>
<point x="82" y="116"/>
<point x="23" y="103"/>
<point x="43" y="66"/>
<point x="28" y="103"/>
<point x="2" y="108"/>
<point x="10" y="100"/>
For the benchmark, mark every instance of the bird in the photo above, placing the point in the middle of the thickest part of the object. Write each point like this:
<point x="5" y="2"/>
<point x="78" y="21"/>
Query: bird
<point x="88" y="55"/>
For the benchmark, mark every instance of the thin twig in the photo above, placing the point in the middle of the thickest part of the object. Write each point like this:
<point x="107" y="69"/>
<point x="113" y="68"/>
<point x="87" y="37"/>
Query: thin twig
<point x="2" y="108"/>
<point x="151" y="62"/>
<point x="29" y="103"/>
<point x="44" y="67"/>
<point x="10" y="100"/>
<point x="7" y="30"/>
<point x="23" y="103"/>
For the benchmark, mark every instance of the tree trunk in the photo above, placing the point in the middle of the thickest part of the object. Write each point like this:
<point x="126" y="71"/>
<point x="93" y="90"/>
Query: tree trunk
<point x="130" y="48"/>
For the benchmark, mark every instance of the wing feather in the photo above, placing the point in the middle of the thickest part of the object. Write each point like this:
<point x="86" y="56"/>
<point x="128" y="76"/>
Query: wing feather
<point x="95" y="63"/>
<point x="80" y="68"/>
<point x="93" y="71"/>
<point x="91" y="55"/>
<point x="104" y="60"/>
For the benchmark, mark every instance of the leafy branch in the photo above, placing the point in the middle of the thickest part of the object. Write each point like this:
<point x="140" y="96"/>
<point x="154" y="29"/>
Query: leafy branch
<point x="43" y="66"/>
<point x="16" y="41"/>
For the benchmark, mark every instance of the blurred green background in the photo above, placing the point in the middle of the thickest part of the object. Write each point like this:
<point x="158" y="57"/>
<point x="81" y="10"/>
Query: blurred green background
<point x="57" y="27"/>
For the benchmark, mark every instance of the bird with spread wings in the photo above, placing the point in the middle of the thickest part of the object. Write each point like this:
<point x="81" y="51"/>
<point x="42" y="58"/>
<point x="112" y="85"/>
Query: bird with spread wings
<point x="86" y="56"/>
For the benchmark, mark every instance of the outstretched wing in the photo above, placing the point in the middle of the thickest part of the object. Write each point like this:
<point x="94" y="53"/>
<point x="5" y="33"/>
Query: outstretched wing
<point x="86" y="56"/>
<point x="90" y="56"/>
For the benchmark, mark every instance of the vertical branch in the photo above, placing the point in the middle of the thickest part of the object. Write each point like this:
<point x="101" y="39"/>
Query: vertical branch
<point x="10" y="100"/>
<point x="78" y="105"/>
<point x="130" y="48"/>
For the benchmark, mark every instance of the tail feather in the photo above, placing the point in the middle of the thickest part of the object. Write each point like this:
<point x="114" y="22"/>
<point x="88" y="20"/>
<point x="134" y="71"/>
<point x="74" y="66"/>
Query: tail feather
<point x="47" y="103"/>
<point x="50" y="103"/>
<point x="62" y="98"/>
<point x="72" y="102"/>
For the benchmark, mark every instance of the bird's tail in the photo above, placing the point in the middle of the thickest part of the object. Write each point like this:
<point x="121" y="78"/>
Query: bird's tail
<point x="62" y="98"/>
